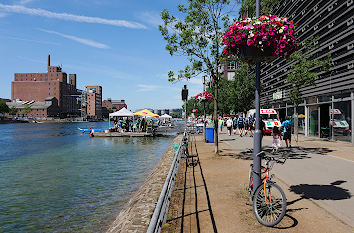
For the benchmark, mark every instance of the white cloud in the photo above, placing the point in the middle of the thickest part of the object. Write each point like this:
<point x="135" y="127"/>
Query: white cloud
<point x="23" y="2"/>
<point x="144" y="87"/>
<point x="2" y="14"/>
<point x="78" y="39"/>
<point x="70" y="17"/>
<point x="151" y="18"/>
<point x="29" y="40"/>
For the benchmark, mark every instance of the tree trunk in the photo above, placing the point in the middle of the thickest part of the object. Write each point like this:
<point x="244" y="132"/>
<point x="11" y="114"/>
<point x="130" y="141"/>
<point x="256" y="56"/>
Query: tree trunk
<point x="296" y="125"/>
<point x="216" y="136"/>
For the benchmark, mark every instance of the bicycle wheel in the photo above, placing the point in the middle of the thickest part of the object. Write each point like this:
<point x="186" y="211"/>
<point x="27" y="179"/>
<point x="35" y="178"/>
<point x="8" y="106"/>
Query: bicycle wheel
<point x="270" y="209"/>
<point x="250" y="185"/>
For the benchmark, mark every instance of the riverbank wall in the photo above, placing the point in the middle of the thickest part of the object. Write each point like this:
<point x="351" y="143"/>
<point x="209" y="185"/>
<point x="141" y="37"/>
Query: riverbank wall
<point x="136" y="214"/>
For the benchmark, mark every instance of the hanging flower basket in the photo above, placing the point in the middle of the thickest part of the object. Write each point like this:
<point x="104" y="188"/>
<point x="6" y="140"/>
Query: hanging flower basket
<point x="195" y="110"/>
<point x="260" y="39"/>
<point x="204" y="96"/>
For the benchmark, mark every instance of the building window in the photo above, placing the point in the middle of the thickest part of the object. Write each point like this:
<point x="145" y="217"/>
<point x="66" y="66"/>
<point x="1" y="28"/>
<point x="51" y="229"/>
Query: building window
<point x="55" y="83"/>
<point x="49" y="94"/>
<point x="48" y="83"/>
<point x="231" y="65"/>
<point x="49" y="88"/>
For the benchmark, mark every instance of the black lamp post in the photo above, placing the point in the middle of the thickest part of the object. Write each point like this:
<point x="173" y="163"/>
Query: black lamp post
<point x="185" y="98"/>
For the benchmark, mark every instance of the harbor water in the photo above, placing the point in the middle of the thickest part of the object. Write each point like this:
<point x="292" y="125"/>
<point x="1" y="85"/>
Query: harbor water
<point x="54" y="178"/>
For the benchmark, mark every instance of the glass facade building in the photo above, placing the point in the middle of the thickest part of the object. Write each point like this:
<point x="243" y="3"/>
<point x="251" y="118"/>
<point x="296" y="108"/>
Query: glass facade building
<point x="327" y="109"/>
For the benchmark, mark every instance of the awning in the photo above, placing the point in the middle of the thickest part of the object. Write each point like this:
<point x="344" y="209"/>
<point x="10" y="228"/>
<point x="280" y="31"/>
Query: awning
<point x="122" y="113"/>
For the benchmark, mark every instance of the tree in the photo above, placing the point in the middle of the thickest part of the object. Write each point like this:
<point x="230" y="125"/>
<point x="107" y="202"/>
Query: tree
<point x="26" y="109"/>
<point x="304" y="71"/>
<point x="248" y="7"/>
<point x="13" y="111"/>
<point x="198" y="37"/>
<point x="3" y="107"/>
<point x="242" y="88"/>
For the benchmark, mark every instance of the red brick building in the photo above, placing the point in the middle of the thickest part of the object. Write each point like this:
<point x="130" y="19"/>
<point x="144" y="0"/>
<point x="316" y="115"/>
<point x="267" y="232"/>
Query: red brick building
<point x="35" y="109"/>
<point x="114" y="105"/>
<point x="94" y="102"/>
<point x="38" y="86"/>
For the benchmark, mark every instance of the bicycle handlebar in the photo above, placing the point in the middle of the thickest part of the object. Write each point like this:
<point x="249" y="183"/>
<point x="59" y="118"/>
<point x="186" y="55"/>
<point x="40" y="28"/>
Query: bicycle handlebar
<point x="269" y="158"/>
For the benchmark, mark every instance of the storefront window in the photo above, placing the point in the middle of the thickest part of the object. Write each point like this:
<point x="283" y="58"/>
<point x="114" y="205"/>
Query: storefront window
<point x="341" y="121"/>
<point x="313" y="120"/>
<point x="301" y="117"/>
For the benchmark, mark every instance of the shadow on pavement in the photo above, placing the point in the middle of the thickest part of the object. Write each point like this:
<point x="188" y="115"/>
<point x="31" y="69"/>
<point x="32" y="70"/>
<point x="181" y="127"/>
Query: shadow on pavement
<point x="291" y="153"/>
<point x="320" y="192"/>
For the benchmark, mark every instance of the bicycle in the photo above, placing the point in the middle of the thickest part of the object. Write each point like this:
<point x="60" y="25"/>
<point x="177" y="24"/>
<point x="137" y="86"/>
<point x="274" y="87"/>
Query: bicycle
<point x="269" y="201"/>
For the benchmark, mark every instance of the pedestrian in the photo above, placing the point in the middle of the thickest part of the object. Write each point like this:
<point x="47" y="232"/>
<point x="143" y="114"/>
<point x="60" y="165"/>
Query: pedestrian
<point x="240" y="124"/>
<point x="246" y="124"/>
<point x="234" y="124"/>
<point x="229" y="125"/>
<point x="251" y="125"/>
<point x="221" y="123"/>
<point x="276" y="139"/>
<point x="286" y="126"/>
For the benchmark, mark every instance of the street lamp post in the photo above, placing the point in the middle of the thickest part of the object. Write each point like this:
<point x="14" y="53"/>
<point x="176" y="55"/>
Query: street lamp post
<point x="257" y="143"/>
<point x="185" y="98"/>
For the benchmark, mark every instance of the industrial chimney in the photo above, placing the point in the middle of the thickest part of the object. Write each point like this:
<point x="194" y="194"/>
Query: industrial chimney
<point x="48" y="60"/>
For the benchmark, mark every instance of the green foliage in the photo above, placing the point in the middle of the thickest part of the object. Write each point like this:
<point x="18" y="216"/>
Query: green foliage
<point x="242" y="89"/>
<point x="234" y="96"/>
<point x="248" y="7"/>
<point x="304" y="70"/>
<point x="197" y="36"/>
<point x="175" y="115"/>
<point x="3" y="107"/>
<point x="26" y="109"/>
<point x="13" y="111"/>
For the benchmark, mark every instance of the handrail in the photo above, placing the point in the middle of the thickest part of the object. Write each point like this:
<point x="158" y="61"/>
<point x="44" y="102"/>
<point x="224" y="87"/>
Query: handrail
<point x="161" y="209"/>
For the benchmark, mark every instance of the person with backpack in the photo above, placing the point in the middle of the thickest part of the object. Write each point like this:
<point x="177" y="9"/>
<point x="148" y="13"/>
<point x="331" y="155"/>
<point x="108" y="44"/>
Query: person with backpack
<point x="251" y="125"/>
<point x="240" y="123"/>
<point x="287" y="125"/>
<point x="234" y="124"/>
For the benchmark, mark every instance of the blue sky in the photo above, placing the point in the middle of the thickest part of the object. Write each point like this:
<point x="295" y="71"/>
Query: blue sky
<point x="112" y="43"/>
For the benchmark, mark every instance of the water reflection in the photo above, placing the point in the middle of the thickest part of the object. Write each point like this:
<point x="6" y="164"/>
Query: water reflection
<point x="54" y="178"/>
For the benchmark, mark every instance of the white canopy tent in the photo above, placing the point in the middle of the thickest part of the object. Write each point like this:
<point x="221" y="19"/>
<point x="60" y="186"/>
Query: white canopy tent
<point x="121" y="113"/>
<point x="165" y="116"/>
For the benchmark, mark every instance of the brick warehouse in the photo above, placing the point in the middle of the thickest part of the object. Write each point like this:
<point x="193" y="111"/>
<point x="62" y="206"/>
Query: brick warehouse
<point x="54" y="83"/>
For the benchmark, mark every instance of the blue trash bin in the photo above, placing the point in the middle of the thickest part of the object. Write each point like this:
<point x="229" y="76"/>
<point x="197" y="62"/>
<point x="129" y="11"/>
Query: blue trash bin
<point x="209" y="135"/>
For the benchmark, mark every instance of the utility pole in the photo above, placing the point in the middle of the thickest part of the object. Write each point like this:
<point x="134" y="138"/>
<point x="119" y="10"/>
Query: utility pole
<point x="257" y="143"/>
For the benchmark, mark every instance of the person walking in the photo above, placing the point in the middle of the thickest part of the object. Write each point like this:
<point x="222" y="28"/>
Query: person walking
<point x="251" y="122"/>
<point x="240" y="123"/>
<point x="276" y="139"/>
<point x="286" y="126"/>
<point x="221" y="124"/>
<point x="234" y="124"/>
<point x="229" y="125"/>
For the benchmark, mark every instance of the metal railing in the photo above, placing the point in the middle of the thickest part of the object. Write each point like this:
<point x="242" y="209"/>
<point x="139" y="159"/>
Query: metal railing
<point x="161" y="209"/>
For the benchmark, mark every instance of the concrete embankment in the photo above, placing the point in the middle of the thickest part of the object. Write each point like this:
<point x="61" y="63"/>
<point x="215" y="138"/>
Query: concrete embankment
<point x="136" y="215"/>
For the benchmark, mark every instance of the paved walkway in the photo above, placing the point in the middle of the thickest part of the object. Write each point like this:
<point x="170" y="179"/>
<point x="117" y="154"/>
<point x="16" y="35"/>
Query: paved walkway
<point x="320" y="171"/>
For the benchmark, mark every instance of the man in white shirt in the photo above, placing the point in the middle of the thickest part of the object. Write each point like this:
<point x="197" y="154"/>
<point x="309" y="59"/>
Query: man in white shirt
<point x="229" y="125"/>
